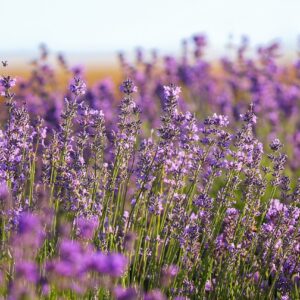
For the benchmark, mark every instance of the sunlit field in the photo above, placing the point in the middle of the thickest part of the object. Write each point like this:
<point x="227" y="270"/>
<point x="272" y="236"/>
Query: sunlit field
<point x="163" y="177"/>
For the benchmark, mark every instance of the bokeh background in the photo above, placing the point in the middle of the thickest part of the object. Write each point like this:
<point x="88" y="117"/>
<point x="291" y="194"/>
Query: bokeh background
<point x="92" y="32"/>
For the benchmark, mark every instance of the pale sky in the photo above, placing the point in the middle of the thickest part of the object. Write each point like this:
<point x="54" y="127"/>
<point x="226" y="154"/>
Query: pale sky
<point x="89" y="26"/>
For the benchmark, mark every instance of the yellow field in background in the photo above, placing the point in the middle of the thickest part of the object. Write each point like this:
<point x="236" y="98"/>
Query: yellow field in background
<point x="91" y="74"/>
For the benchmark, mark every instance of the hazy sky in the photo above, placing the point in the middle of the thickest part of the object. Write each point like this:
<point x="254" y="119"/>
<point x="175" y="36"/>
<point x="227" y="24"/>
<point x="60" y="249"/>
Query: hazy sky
<point x="107" y="26"/>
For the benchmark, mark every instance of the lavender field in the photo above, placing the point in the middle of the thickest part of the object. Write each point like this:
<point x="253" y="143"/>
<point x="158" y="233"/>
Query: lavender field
<point x="180" y="184"/>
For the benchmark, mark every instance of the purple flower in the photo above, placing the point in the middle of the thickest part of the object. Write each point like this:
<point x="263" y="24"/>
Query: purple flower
<point x="172" y="91"/>
<point x="113" y="264"/>
<point x="29" y="224"/>
<point x="78" y="87"/>
<point x="86" y="226"/>
<point x="7" y="82"/>
<point x="155" y="295"/>
<point x="276" y="145"/>
<point x="170" y="271"/>
<point x="128" y="87"/>
<point x="249" y="116"/>
<point x="125" y="294"/>
<point x="200" y="40"/>
<point x="75" y="261"/>
<point x="217" y="120"/>
<point x="208" y="286"/>
<point x="27" y="270"/>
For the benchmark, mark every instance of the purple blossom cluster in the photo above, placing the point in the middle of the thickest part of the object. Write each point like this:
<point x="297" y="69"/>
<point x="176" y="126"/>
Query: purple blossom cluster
<point x="146" y="198"/>
<point x="223" y="86"/>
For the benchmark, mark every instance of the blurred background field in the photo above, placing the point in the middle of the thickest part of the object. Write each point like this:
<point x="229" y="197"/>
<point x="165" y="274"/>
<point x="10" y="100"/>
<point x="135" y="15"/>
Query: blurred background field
<point x="95" y="30"/>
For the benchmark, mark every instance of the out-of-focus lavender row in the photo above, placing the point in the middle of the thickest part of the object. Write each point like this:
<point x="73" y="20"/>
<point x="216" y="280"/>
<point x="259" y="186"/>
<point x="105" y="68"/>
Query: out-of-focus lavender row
<point x="240" y="79"/>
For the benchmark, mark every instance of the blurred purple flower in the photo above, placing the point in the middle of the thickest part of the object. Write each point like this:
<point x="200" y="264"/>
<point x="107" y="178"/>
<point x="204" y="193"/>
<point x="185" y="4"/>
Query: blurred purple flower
<point x="27" y="270"/>
<point x="125" y="293"/>
<point x="7" y="82"/>
<point x="78" y="87"/>
<point x="113" y="264"/>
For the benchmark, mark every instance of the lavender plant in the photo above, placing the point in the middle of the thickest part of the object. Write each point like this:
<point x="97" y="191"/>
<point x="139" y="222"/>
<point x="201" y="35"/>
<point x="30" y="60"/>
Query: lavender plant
<point x="189" y="209"/>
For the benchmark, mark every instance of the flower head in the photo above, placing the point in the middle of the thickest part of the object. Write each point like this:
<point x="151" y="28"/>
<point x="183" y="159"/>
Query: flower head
<point x="78" y="87"/>
<point x="7" y="82"/>
<point x="128" y="87"/>
<point x="276" y="145"/>
<point x="172" y="91"/>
